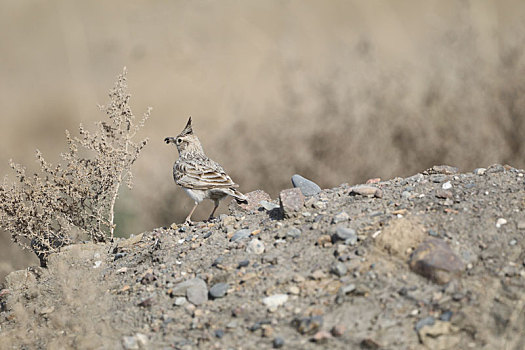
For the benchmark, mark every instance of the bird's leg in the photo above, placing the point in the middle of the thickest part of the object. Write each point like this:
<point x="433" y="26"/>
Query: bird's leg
<point x="213" y="211"/>
<point x="188" y="218"/>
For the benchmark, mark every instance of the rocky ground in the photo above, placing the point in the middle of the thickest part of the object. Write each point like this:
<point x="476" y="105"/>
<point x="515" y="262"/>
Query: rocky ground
<point x="432" y="261"/>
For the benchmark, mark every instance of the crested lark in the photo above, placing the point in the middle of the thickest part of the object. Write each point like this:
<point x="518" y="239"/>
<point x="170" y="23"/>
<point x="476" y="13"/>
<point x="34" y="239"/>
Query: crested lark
<point x="198" y="175"/>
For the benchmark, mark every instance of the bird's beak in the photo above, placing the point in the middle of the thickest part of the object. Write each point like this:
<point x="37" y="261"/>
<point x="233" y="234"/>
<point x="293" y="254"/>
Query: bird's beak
<point x="169" y="140"/>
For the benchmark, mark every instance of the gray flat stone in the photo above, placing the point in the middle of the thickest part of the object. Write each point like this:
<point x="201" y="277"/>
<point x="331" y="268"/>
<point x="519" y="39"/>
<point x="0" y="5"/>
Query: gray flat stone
<point x="241" y="234"/>
<point x="308" y="188"/>
<point x="194" y="289"/>
<point x="219" y="290"/>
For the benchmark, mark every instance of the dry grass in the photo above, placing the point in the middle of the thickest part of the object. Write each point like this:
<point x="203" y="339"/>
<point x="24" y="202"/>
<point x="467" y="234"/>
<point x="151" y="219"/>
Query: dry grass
<point x="64" y="308"/>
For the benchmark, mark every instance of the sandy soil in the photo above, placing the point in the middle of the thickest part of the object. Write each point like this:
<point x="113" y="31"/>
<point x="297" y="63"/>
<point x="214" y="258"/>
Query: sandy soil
<point x="261" y="279"/>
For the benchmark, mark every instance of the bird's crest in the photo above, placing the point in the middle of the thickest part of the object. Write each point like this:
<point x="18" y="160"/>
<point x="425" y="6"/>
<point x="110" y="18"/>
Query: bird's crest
<point x="187" y="129"/>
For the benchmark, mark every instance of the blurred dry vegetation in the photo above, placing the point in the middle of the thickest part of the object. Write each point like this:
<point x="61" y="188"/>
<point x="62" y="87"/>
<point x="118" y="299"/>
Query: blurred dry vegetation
<point x="337" y="91"/>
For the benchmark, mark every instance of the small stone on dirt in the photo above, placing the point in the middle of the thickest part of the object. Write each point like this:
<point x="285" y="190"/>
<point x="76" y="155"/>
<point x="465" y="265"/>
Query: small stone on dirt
<point x="291" y="201"/>
<point x="255" y="247"/>
<point x="308" y="325"/>
<point x="308" y="188"/>
<point x="219" y="290"/>
<point x="274" y="301"/>
<point x="340" y="217"/>
<point x="367" y="191"/>
<point x="339" y="269"/>
<point x="435" y="260"/>
<point x="278" y="342"/>
<point x="239" y="235"/>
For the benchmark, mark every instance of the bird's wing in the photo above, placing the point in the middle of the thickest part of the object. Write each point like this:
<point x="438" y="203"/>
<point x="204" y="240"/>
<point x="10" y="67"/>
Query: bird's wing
<point x="201" y="174"/>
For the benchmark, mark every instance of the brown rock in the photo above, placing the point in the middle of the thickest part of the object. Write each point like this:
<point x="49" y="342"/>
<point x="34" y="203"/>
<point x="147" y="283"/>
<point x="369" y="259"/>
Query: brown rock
<point x="324" y="239"/>
<point x="321" y="336"/>
<point x="443" y="194"/>
<point x="291" y="201"/>
<point x="338" y="330"/>
<point x="369" y="191"/>
<point x="435" y="260"/>
<point x="254" y="199"/>
<point x="370" y="344"/>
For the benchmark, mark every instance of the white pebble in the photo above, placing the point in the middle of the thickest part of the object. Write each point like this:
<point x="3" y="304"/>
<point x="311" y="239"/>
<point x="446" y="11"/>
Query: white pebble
<point x="500" y="222"/>
<point x="274" y="301"/>
<point x="447" y="185"/>
<point x="97" y="264"/>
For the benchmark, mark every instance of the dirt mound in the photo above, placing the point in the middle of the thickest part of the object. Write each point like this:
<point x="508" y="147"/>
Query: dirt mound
<point x="333" y="274"/>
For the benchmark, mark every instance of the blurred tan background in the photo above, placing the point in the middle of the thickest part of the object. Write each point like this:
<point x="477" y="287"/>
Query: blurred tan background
<point x="338" y="91"/>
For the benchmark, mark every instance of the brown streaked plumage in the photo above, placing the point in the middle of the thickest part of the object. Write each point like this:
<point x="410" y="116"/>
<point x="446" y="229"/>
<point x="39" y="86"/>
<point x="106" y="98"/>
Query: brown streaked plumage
<point x="199" y="176"/>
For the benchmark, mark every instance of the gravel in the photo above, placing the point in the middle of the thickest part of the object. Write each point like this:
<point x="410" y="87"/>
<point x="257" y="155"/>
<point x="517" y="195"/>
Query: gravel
<point x="341" y="270"/>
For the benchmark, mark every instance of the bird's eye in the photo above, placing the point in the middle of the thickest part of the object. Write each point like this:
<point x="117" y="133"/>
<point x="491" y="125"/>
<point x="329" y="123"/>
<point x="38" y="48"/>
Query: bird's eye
<point x="179" y="140"/>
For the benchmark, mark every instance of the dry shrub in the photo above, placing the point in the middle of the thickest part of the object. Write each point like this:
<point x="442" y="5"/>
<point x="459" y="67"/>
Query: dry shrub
<point x="75" y="198"/>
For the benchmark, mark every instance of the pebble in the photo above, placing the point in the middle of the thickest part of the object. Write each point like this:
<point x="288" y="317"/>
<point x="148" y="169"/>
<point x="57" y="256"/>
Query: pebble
<point x="244" y="263"/>
<point x="442" y="169"/>
<point x="294" y="290"/>
<point x="369" y="344"/>
<point x="446" y="316"/>
<point x="369" y="191"/>
<point x="340" y="217"/>
<point x="194" y="289"/>
<point x="278" y="342"/>
<point x="291" y="201"/>
<point x="179" y="301"/>
<point x="324" y="240"/>
<point x="321" y="336"/>
<point x="343" y="234"/>
<point x="479" y="171"/>
<point x="232" y="324"/>
<point x="269" y="205"/>
<point x="318" y="275"/>
<point x="130" y="343"/>
<point x="500" y="222"/>
<point x="513" y="242"/>
<point x="521" y="225"/>
<point x="219" y="333"/>
<point x="427" y="321"/>
<point x="308" y="325"/>
<point x="241" y="234"/>
<point x="197" y="294"/>
<point x="435" y="260"/>
<point x="495" y="168"/>
<point x="219" y="290"/>
<point x="293" y="233"/>
<point x="218" y="261"/>
<point x="308" y="188"/>
<point x="267" y="331"/>
<point x="445" y="194"/>
<point x="339" y="269"/>
<point x="338" y="330"/>
<point x="255" y="246"/>
<point x="446" y="186"/>
<point x="274" y="301"/>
